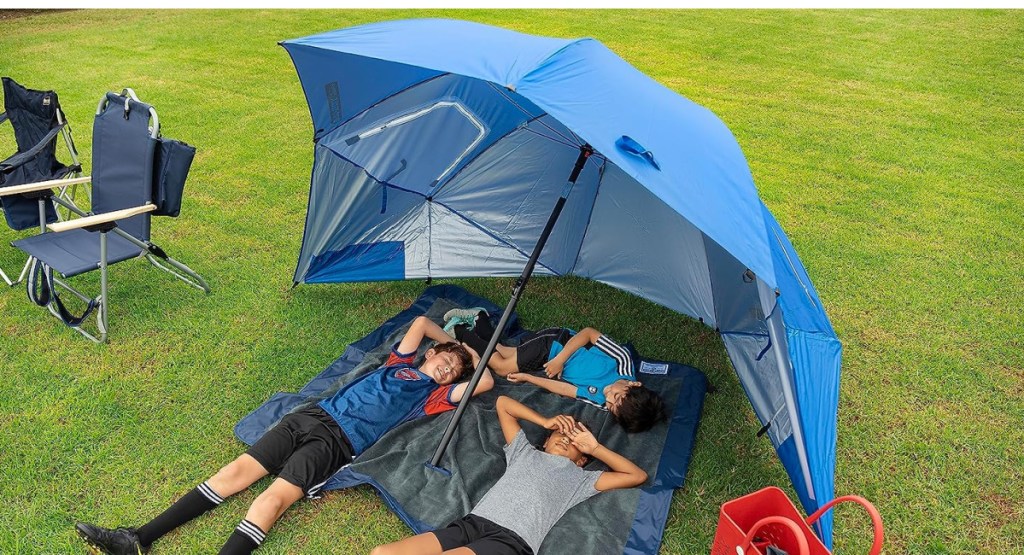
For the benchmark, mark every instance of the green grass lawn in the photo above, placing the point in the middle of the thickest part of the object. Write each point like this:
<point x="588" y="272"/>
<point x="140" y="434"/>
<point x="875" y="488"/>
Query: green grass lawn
<point x="887" y="143"/>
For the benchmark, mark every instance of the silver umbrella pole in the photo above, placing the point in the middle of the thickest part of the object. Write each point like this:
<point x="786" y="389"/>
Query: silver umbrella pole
<point x="485" y="357"/>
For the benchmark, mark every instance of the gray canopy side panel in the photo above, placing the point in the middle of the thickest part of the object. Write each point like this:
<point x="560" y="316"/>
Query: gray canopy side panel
<point x="737" y="300"/>
<point x="510" y="190"/>
<point x="637" y="243"/>
<point x="485" y="217"/>
<point x="741" y="321"/>
<point x="345" y="208"/>
<point x="437" y="125"/>
<point x="760" y="380"/>
<point x="459" y="248"/>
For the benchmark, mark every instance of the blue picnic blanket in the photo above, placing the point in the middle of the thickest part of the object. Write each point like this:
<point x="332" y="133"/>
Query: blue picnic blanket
<point x="619" y="522"/>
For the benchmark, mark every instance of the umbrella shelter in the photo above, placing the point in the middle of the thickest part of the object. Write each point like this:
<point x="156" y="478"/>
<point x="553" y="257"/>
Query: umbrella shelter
<point x="452" y="149"/>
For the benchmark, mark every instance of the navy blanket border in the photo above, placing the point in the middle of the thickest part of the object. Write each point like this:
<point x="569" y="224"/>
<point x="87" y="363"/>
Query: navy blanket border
<point x="652" y="509"/>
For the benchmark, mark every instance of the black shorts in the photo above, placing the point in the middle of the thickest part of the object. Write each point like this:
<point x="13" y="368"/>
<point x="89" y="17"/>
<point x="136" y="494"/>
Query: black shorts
<point x="533" y="351"/>
<point x="305" y="448"/>
<point x="482" y="537"/>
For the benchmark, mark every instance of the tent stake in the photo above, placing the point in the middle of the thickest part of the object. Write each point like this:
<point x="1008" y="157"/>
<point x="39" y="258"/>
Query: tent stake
<point x="485" y="357"/>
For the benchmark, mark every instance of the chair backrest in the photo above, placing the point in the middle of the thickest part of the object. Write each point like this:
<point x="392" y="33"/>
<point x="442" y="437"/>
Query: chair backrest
<point x="32" y="115"/>
<point x="122" y="159"/>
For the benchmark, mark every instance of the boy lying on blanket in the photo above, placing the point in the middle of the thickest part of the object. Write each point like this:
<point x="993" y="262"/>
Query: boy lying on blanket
<point x="538" y="487"/>
<point x="308" y="446"/>
<point x="603" y="376"/>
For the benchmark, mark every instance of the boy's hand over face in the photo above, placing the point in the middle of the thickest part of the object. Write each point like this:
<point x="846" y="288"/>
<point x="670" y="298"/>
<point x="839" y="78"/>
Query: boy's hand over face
<point x="562" y="423"/>
<point x="553" y="368"/>
<point x="583" y="439"/>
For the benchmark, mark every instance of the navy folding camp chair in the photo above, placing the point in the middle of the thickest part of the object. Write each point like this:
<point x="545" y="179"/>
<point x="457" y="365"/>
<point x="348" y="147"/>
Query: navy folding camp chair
<point x="128" y="168"/>
<point x="37" y="119"/>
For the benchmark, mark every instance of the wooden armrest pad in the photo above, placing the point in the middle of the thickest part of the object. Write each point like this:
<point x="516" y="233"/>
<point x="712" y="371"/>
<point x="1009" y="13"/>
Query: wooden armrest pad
<point x="32" y="187"/>
<point x="101" y="218"/>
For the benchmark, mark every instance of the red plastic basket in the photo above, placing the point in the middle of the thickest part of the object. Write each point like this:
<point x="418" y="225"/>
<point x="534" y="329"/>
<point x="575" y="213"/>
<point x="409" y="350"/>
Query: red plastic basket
<point x="747" y="525"/>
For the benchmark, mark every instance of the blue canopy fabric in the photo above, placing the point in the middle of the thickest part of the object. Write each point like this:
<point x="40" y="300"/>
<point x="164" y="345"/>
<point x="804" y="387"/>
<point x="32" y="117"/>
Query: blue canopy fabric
<point x="441" y="147"/>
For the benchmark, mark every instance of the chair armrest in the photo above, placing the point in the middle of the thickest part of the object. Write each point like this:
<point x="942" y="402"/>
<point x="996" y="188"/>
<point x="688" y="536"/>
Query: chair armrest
<point x="22" y="157"/>
<point x="52" y="184"/>
<point x="101" y="218"/>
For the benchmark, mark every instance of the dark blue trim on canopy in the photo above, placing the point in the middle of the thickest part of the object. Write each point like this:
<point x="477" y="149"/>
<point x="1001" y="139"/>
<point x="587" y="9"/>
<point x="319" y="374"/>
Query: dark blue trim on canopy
<point x="364" y="262"/>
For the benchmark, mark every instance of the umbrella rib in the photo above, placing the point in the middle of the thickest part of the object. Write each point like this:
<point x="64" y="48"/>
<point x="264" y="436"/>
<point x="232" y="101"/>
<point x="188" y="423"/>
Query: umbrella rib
<point x="502" y="92"/>
<point x="552" y="139"/>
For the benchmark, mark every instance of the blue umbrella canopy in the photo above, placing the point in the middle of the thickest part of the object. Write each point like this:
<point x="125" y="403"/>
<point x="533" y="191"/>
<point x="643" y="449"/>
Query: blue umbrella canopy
<point x="441" y="146"/>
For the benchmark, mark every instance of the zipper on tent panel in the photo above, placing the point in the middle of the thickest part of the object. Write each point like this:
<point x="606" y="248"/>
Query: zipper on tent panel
<point x="373" y="177"/>
<point x="412" y="116"/>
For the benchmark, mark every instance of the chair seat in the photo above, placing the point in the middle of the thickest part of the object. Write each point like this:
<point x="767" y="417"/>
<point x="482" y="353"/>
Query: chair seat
<point x="76" y="251"/>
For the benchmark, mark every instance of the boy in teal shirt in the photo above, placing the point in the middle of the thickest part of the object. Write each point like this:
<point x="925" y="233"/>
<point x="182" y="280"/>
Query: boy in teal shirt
<point x="585" y="365"/>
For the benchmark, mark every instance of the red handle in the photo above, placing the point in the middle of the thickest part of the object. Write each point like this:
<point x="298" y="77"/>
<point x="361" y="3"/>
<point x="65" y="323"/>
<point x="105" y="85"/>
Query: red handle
<point x="876" y="519"/>
<point x="793" y="529"/>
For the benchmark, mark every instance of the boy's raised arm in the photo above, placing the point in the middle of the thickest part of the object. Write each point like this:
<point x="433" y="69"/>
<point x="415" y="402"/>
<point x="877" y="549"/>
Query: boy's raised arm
<point x="557" y="387"/>
<point x="422" y="327"/>
<point x="485" y="384"/>
<point x="510" y="412"/>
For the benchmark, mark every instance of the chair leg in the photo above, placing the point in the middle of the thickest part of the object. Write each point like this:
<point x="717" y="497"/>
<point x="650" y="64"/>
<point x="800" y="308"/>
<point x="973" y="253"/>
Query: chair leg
<point x="186" y="275"/>
<point x="192" y="278"/>
<point x="102" y="304"/>
<point x="24" y="270"/>
<point x="21" y="277"/>
<point x="101" y="317"/>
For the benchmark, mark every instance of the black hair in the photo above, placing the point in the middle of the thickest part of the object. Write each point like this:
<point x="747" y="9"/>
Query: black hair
<point x="460" y="352"/>
<point x="640" y="410"/>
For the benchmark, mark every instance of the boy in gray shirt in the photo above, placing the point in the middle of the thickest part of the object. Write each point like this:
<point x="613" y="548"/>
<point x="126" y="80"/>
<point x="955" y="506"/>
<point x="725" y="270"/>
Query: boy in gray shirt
<point x="538" y="487"/>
